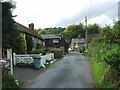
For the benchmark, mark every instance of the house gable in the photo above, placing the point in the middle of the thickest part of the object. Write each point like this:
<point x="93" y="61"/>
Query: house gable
<point x="28" y="31"/>
<point x="53" y="41"/>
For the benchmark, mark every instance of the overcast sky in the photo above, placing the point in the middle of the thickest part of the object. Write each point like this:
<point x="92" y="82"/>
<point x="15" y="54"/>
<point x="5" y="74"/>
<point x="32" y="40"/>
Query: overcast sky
<point x="61" y="13"/>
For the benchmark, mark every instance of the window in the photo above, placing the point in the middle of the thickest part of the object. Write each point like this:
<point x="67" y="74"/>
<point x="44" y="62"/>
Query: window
<point x="55" y="40"/>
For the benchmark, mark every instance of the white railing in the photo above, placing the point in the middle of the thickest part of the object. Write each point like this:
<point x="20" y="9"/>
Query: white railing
<point x="45" y="58"/>
<point x="22" y="58"/>
<point x="28" y="58"/>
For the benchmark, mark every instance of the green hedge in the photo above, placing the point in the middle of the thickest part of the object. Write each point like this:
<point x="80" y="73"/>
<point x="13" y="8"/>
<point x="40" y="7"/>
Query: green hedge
<point x="112" y="57"/>
<point x="105" y="61"/>
<point x="57" y="53"/>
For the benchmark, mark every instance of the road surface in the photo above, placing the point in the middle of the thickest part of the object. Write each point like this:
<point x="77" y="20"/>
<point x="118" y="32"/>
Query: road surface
<point x="72" y="71"/>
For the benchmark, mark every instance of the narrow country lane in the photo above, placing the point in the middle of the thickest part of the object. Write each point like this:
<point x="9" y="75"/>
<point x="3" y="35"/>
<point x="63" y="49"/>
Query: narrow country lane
<point x="73" y="71"/>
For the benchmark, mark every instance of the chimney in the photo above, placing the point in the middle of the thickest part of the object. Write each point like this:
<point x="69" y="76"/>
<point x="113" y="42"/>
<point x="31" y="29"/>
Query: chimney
<point x="31" y="26"/>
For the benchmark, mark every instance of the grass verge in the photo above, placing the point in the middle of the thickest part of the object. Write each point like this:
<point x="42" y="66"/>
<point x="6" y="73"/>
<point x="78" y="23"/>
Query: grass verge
<point x="8" y="81"/>
<point x="103" y="75"/>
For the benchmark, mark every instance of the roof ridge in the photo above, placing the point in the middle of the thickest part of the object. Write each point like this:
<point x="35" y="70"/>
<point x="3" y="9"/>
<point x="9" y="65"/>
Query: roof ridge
<point x="27" y="30"/>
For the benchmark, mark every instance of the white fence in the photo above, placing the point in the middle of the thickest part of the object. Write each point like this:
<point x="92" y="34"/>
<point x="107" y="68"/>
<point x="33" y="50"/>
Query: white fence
<point x="46" y="58"/>
<point x="28" y="58"/>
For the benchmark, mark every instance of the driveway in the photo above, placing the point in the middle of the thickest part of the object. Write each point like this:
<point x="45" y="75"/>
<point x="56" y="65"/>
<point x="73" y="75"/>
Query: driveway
<point x="73" y="71"/>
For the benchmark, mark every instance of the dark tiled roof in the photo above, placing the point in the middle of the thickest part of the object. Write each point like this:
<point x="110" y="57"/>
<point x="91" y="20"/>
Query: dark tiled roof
<point x="27" y="30"/>
<point x="50" y="36"/>
<point x="77" y="40"/>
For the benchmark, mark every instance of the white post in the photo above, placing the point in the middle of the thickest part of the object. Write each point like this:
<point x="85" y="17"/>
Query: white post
<point x="11" y="65"/>
<point x="14" y="59"/>
<point x="9" y="53"/>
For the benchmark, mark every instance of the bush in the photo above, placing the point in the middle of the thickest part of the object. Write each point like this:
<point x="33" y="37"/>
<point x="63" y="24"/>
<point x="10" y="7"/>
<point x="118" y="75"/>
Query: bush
<point x="57" y="53"/>
<point x="8" y="81"/>
<point x="112" y="57"/>
<point x="105" y="61"/>
<point x="21" y="44"/>
<point x="30" y="43"/>
<point x="82" y="49"/>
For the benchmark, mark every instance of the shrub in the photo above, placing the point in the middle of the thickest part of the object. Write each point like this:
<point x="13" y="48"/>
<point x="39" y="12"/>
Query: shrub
<point x="57" y="53"/>
<point x="112" y="57"/>
<point x="105" y="64"/>
<point x="21" y="45"/>
<point x="8" y="81"/>
<point x="30" y="43"/>
<point x="82" y="49"/>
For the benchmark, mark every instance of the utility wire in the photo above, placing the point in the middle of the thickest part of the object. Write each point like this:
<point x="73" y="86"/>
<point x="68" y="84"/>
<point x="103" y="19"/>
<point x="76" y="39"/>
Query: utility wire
<point x="104" y="11"/>
<point x="89" y="14"/>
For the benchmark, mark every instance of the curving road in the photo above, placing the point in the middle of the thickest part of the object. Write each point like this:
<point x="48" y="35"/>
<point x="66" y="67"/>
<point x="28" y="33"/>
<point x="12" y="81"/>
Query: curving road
<point x="73" y="71"/>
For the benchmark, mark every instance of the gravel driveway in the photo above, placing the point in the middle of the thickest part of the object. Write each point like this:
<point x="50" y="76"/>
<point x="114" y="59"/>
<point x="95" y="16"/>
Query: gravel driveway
<point x="73" y="71"/>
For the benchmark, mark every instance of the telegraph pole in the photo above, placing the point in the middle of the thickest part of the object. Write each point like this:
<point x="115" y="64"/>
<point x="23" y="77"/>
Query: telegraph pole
<point x="119" y="11"/>
<point x="86" y="27"/>
<point x="86" y="33"/>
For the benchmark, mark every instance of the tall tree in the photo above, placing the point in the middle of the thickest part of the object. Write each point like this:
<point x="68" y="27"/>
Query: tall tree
<point x="73" y="31"/>
<point x="10" y="34"/>
<point x="93" y="29"/>
<point x="7" y="24"/>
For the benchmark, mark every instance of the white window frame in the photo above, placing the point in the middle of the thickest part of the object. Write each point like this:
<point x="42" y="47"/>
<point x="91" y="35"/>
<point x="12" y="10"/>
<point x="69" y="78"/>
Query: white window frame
<point x="55" y="40"/>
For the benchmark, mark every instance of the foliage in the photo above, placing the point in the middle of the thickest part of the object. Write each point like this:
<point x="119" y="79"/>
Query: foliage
<point x="82" y="49"/>
<point x="8" y="81"/>
<point x="11" y="36"/>
<point x="30" y="43"/>
<point x="101" y="69"/>
<point x="38" y="48"/>
<point x="73" y="31"/>
<point x="93" y="29"/>
<point x="104" y="51"/>
<point x="98" y="71"/>
<point x="21" y="46"/>
<point x="57" y="53"/>
<point x="43" y="52"/>
<point x="112" y="57"/>
<point x="110" y="34"/>
<point x="54" y="30"/>
<point x="9" y="32"/>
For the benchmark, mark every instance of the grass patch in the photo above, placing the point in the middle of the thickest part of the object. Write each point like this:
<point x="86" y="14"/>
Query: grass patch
<point x="8" y="81"/>
<point x="102" y="73"/>
<point x="98" y="71"/>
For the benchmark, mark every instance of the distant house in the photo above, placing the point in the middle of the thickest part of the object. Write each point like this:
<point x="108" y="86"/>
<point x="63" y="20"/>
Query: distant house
<point x="77" y="43"/>
<point x="54" y="41"/>
<point x="37" y="39"/>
